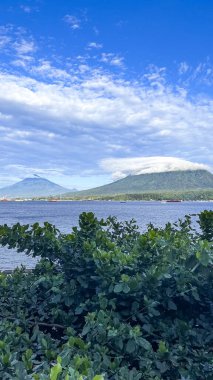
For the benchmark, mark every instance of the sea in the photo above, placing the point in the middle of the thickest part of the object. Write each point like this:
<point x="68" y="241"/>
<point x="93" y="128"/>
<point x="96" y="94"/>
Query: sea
<point x="65" y="215"/>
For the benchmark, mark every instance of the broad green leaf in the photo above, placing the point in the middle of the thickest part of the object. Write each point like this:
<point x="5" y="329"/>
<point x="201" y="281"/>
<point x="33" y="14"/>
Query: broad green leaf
<point x="171" y="305"/>
<point x="131" y="346"/>
<point x="2" y="344"/>
<point x="144" y="343"/>
<point x="118" y="288"/>
<point x="86" y="329"/>
<point x="126" y="288"/>
<point x="55" y="371"/>
<point x="162" y="349"/>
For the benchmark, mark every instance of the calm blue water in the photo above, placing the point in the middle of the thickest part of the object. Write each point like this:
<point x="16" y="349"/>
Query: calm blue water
<point x="65" y="215"/>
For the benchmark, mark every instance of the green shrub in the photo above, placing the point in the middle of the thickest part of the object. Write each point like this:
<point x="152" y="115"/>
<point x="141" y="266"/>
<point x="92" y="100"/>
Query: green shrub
<point x="106" y="302"/>
<point x="206" y="224"/>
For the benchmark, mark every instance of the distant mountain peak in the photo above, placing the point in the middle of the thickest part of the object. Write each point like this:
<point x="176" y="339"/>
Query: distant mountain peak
<point x="35" y="186"/>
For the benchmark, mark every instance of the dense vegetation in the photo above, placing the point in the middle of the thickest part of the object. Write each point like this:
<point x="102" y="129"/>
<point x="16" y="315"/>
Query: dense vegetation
<point x="106" y="302"/>
<point x="180" y="180"/>
<point x="189" y="195"/>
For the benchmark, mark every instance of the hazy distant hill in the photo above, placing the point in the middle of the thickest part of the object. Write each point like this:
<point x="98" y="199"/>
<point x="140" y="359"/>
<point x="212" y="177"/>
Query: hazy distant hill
<point x="166" y="181"/>
<point x="32" y="187"/>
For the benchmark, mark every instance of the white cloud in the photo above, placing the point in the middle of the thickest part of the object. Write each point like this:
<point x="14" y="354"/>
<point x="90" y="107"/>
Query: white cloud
<point x="22" y="62"/>
<point x="4" y="117"/>
<point x="73" y="22"/>
<point x="24" y="46"/>
<point x="45" y="69"/>
<point x="17" y="44"/>
<point x="96" y="31"/>
<point x="200" y="74"/>
<point x="27" y="171"/>
<point x="183" y="68"/>
<point x="94" y="45"/>
<point x="4" y="41"/>
<point x="122" y="167"/>
<point x="112" y="59"/>
<point x="83" y="68"/>
<point x="26" y="8"/>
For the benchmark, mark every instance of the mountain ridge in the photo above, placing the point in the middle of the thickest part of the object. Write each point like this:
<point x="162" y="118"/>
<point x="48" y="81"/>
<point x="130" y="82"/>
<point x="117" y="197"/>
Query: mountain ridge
<point x="164" y="181"/>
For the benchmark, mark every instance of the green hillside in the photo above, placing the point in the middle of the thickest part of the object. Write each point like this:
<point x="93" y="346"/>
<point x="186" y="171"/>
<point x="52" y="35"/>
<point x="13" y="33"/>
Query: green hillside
<point x="166" y="181"/>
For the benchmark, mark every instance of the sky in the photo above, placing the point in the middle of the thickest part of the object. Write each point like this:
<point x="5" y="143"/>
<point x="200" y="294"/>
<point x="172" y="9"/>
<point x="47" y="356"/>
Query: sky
<point x="92" y="91"/>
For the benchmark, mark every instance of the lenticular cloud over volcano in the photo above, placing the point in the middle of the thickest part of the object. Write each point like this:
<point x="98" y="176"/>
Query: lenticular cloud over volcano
<point x="122" y="167"/>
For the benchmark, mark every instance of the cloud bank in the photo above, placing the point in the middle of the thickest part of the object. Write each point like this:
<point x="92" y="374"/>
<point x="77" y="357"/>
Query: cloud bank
<point x="122" y="167"/>
<point x="73" y="122"/>
<point x="70" y="116"/>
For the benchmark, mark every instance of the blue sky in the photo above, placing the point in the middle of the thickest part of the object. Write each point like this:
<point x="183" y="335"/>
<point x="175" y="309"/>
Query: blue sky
<point x="92" y="90"/>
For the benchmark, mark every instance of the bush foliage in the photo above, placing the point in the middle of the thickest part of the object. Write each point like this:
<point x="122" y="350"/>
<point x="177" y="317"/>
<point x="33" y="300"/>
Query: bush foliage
<point x="106" y="302"/>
